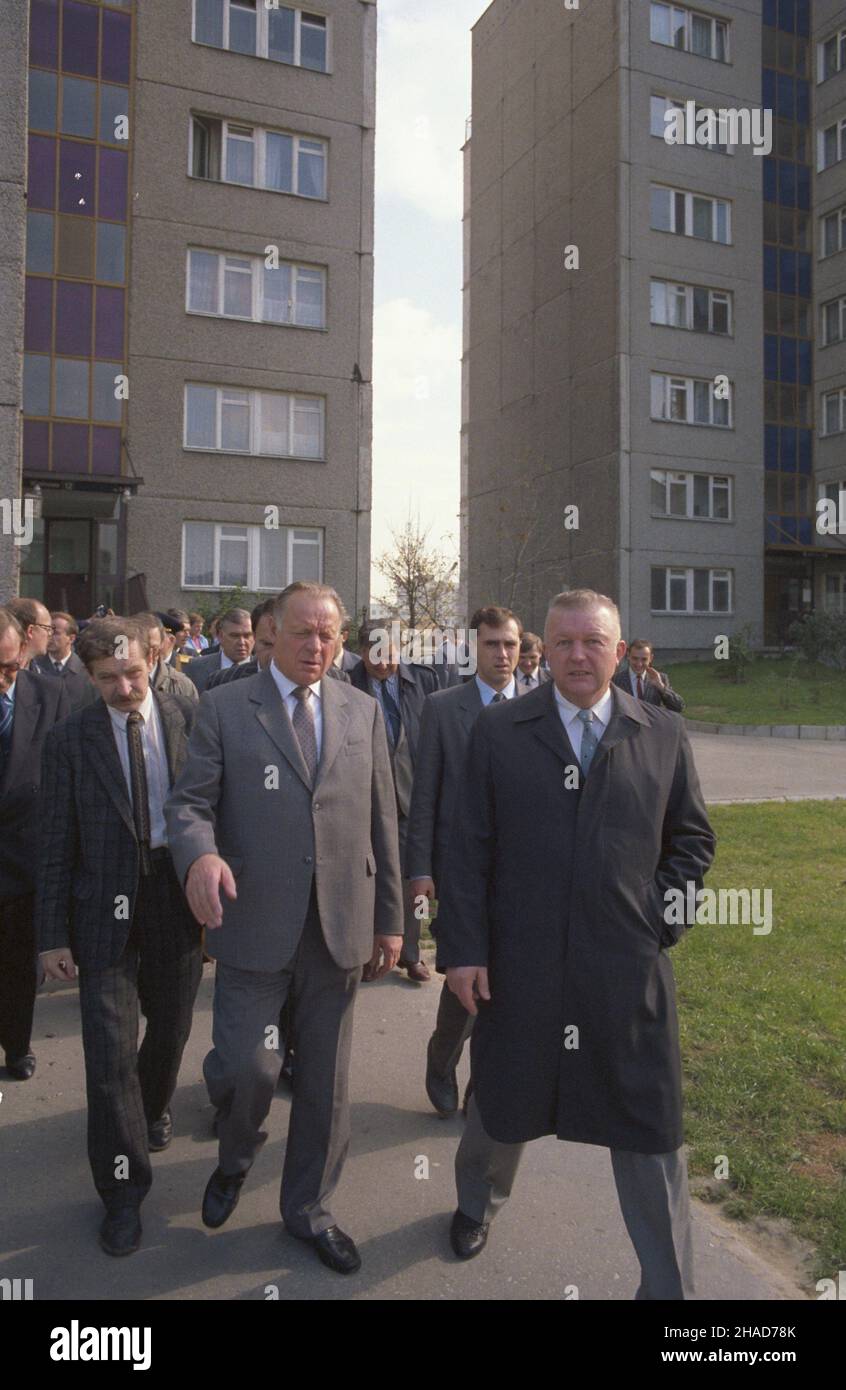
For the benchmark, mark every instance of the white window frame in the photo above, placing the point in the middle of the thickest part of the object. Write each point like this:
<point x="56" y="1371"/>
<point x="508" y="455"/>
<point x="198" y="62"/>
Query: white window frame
<point x="838" y="395"/>
<point x="263" y="34"/>
<point x="680" y="104"/>
<point x="715" y="576"/>
<point x="838" y="38"/>
<point x="688" y="290"/>
<point x="259" y="139"/>
<point x="298" y="269"/>
<point x="674" y="384"/>
<point x="688" y="213"/>
<point x="254" y="398"/>
<point x="840" y="214"/>
<point x="253" y="554"/>
<point x="839" y="128"/>
<point x="717" y="482"/>
<point x="838" y="607"/>
<point x="689" y="14"/>
<point x="840" y="302"/>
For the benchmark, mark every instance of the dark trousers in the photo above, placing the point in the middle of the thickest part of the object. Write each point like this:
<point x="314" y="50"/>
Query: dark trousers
<point x="452" y="1029"/>
<point x="410" y="952"/>
<point x="130" y="1088"/>
<point x="17" y="976"/>
<point x="242" y="1070"/>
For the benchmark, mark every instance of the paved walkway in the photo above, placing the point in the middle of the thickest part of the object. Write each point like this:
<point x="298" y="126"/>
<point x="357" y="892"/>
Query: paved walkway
<point x="767" y="769"/>
<point x="561" y="1228"/>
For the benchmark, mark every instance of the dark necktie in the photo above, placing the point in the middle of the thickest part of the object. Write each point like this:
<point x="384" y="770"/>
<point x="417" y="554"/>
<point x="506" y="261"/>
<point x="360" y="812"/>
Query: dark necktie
<point x="59" y="668"/>
<point x="6" y="711"/>
<point x="140" y="793"/>
<point x="392" y="714"/>
<point x="499" y="697"/>
<point x="639" y="688"/>
<point x="527" y="680"/>
<point x="303" y="722"/>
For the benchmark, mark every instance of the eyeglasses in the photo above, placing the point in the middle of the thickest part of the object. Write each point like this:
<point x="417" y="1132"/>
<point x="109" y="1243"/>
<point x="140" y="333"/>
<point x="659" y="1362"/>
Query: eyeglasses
<point x="46" y="627"/>
<point x="9" y="668"/>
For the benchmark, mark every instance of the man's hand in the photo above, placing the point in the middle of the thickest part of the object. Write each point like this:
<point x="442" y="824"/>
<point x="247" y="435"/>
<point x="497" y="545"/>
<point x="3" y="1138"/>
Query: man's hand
<point x="206" y="876"/>
<point x="388" y="948"/>
<point x="653" y="675"/>
<point x="421" y="887"/>
<point x="58" y="964"/>
<point x="462" y="979"/>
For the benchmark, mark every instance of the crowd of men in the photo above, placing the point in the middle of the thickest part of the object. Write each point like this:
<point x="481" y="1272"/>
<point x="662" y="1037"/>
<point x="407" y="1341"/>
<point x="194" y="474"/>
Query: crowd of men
<point x="295" y="811"/>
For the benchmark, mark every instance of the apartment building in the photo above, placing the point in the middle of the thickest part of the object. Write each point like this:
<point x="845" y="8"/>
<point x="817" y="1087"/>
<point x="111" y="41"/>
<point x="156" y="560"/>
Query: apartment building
<point x="640" y="412"/>
<point x="196" y="337"/>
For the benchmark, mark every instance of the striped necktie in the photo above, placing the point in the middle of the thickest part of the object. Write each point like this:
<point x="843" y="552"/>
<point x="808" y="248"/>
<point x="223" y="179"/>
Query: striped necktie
<point x="6" y="711"/>
<point x="590" y="742"/>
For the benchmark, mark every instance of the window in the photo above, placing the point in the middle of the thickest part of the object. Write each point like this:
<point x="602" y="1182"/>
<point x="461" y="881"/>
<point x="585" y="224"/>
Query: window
<point x="230" y="153"/>
<point x="220" y="418"/>
<point x="264" y="29"/>
<point x="688" y="590"/>
<point x="689" y="30"/>
<point x="716" y="127"/>
<point x="245" y="287"/>
<point x="831" y="56"/>
<point x="831" y="145"/>
<point x="217" y="555"/>
<point x="694" y="307"/>
<point x="833" y="238"/>
<point x="833" y="315"/>
<point x="834" y="412"/>
<point x="835" y="593"/>
<point x="693" y="496"/>
<point x="689" y="401"/>
<point x="690" y="214"/>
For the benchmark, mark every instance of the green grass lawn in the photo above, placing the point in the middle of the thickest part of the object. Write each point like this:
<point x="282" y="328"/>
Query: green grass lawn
<point x="775" y="692"/>
<point x="763" y="1024"/>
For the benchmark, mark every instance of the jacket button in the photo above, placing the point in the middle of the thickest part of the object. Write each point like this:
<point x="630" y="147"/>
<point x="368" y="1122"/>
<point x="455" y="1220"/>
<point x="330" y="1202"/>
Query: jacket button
<point x="307" y="859"/>
<point x="316" y="806"/>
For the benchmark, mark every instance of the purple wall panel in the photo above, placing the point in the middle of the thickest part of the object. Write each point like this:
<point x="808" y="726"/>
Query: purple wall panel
<point x="106" y="450"/>
<point x="73" y="319"/>
<point x="41" y="181"/>
<point x="36" y="444"/>
<point x="76" y="158"/>
<point x="38" y="315"/>
<point x="80" y="25"/>
<point x="44" y="33"/>
<point x="114" y="169"/>
<point x="108" y="332"/>
<point x="70" y="448"/>
<point x="114" y="60"/>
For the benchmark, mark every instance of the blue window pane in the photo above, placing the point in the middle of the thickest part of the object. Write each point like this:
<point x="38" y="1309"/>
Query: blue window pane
<point x="770" y="12"/>
<point x="788" y="449"/>
<point x="771" y="448"/>
<point x="770" y="268"/>
<point x="805" y="447"/>
<point x="802" y="100"/>
<point x="788" y="528"/>
<point x="803" y="17"/>
<point x="770" y="180"/>
<point x="280" y="35"/>
<point x="768" y="89"/>
<point x="36" y="385"/>
<point x="106" y="406"/>
<point x="770" y="357"/>
<point x="805" y="536"/>
<point x="788" y="359"/>
<point x="803" y="187"/>
<point x="42" y="100"/>
<point x="804" y="280"/>
<point x="787" y="15"/>
<point x="71" y="388"/>
<point x="114" y="102"/>
<point x="208" y="22"/>
<point x="39" y="242"/>
<point x="111" y="248"/>
<point x="79" y="107"/>
<point x="771" y="531"/>
<point x="804" y="363"/>
<point x="785" y="104"/>
<point x="787" y="271"/>
<point x="80" y="30"/>
<point x="786" y="183"/>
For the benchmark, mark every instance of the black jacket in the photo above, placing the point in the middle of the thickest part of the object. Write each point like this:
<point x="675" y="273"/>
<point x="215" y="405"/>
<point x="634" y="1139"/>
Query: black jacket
<point x="39" y="705"/>
<point x="80" y="690"/>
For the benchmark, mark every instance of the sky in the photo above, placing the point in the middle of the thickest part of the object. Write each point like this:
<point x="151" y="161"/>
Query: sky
<point x="423" y="101"/>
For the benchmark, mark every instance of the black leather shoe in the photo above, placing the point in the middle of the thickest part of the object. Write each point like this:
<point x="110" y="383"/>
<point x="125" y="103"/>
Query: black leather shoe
<point x="441" y="1090"/>
<point x="337" y="1250"/>
<point x="221" y="1198"/>
<point x="21" y="1068"/>
<point x="160" y="1133"/>
<point x="120" y="1233"/>
<point x="467" y="1238"/>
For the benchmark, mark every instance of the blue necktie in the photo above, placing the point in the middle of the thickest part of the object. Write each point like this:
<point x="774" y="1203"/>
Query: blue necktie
<point x="590" y="742"/>
<point x="392" y="714"/>
<point x="6" y="709"/>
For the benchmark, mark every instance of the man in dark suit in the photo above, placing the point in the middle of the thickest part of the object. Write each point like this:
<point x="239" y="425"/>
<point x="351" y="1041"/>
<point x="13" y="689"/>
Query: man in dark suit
<point x="345" y="660"/>
<point x="530" y="673"/>
<point x="29" y="708"/>
<point x="60" y="660"/>
<point x="448" y="718"/>
<point x="37" y="625"/>
<point x="264" y="634"/>
<point x="641" y="680"/>
<point x="287" y="806"/>
<point x="554" y="929"/>
<point x="109" y="904"/>
<point x="236" y="644"/>
<point x="399" y="688"/>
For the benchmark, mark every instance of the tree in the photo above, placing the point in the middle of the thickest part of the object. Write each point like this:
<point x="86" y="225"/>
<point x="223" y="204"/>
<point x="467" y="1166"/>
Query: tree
<point x="420" y="579"/>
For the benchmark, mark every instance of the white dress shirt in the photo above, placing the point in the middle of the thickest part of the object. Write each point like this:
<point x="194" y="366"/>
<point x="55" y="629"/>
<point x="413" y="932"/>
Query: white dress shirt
<point x="531" y="682"/>
<point x="573" y="725"/>
<point x="487" y="692"/>
<point x="225" y="663"/>
<point x="155" y="761"/>
<point x="286" y="689"/>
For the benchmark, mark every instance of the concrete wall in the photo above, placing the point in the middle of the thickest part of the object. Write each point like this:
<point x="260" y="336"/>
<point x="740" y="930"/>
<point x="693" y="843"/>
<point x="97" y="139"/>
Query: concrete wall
<point x="13" y="146"/>
<point x="168" y="347"/>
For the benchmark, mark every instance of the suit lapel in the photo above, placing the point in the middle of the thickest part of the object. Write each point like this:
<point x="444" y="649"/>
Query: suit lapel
<point x="626" y="715"/>
<point x="470" y="704"/>
<point x="336" y="718"/>
<point x="174" y="735"/>
<point x="547" y="726"/>
<point x="273" y="717"/>
<point x="101" y="750"/>
<point x="24" y="723"/>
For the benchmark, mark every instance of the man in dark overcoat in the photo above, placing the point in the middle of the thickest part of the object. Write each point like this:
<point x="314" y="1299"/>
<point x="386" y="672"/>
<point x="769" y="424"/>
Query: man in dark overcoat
<point x="552" y="926"/>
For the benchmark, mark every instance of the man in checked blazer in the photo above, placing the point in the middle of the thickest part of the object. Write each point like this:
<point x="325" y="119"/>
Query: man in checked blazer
<point x="109" y="904"/>
<point x="286" y="807"/>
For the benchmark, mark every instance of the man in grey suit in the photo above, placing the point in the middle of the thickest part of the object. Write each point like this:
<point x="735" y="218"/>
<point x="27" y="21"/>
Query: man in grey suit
<point x="645" y="683"/>
<point x="236" y="645"/>
<point x="448" y="717"/>
<point x="286" y="805"/>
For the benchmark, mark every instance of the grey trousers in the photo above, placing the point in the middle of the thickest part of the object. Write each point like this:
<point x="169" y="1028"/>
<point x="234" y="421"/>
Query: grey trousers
<point x="652" y="1190"/>
<point x="452" y="1029"/>
<point x="241" y="1072"/>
